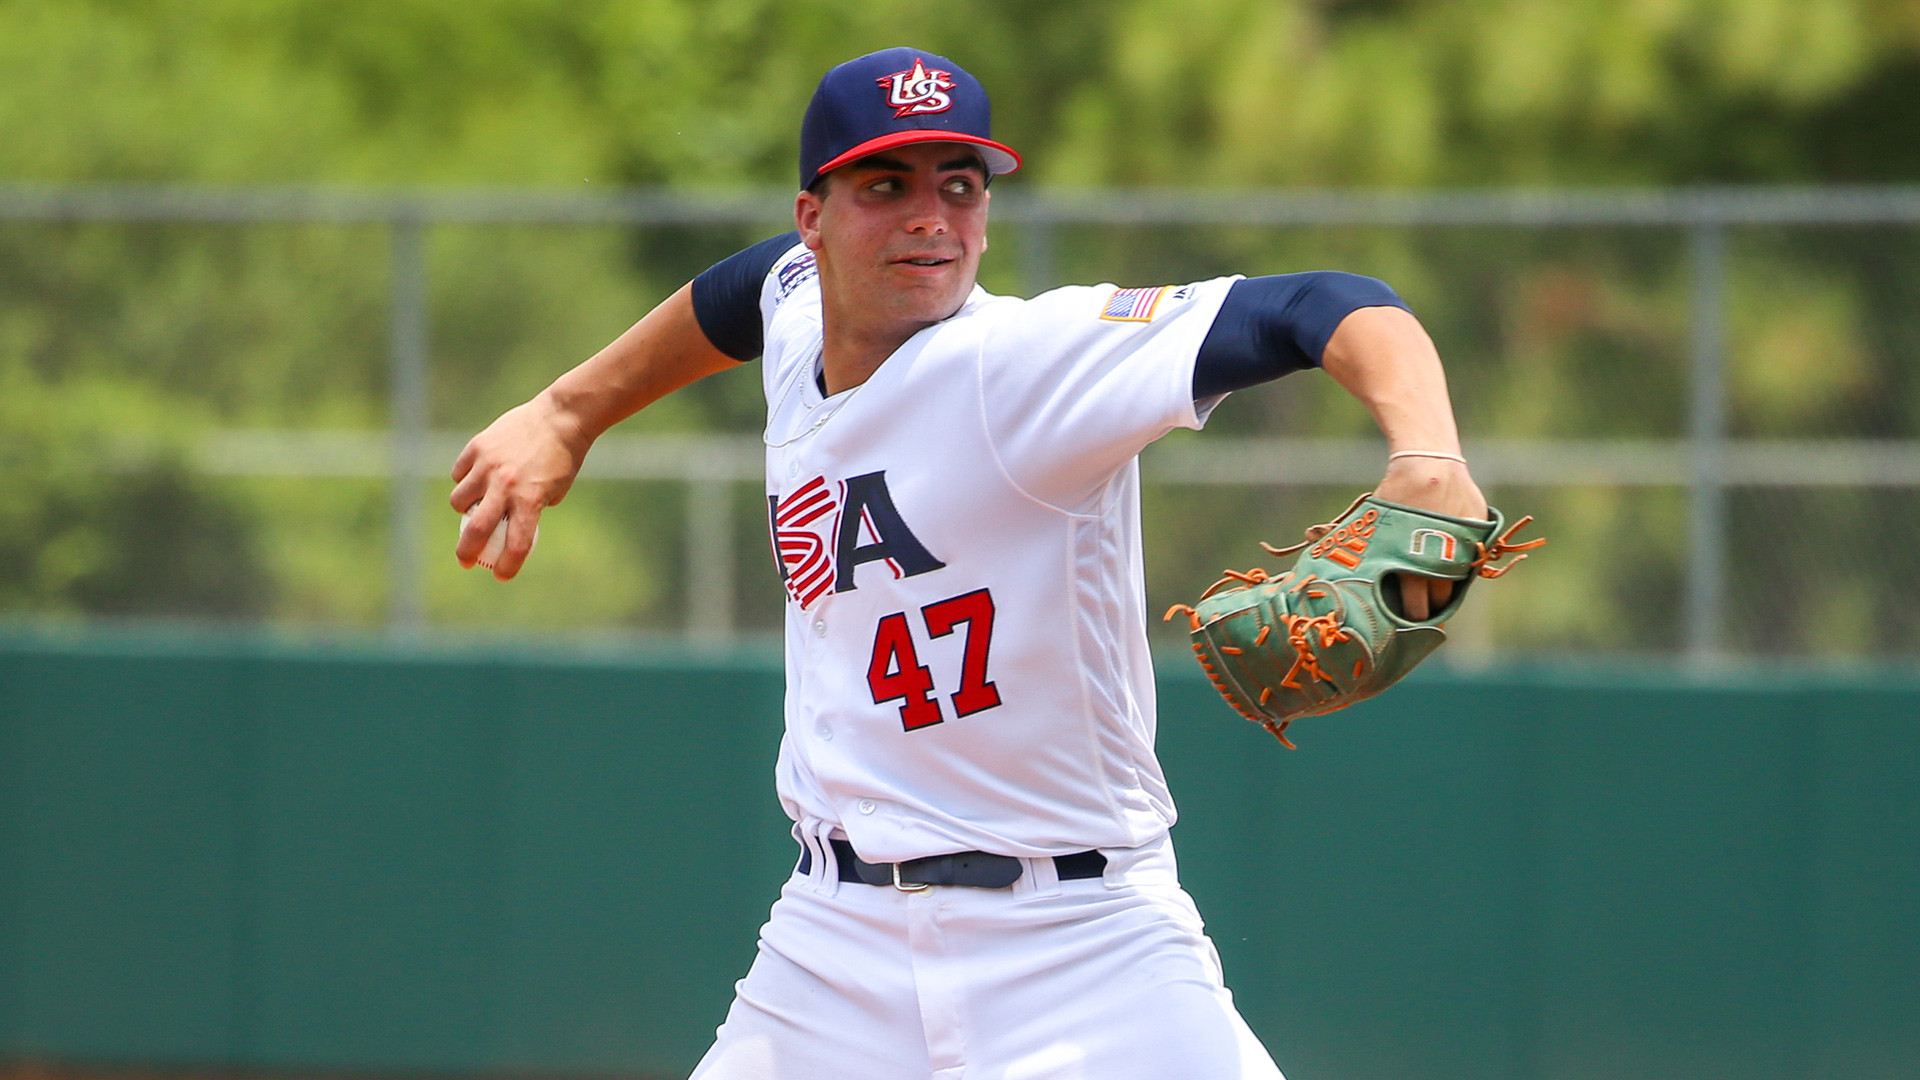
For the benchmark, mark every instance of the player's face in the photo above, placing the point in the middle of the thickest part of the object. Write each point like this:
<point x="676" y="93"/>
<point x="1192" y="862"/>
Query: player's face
<point x="899" y="234"/>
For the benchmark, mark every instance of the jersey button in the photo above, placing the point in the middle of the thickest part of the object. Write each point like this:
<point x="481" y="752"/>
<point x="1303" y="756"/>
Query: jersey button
<point x="866" y="806"/>
<point x="819" y="628"/>
<point x="824" y="731"/>
<point x="793" y="469"/>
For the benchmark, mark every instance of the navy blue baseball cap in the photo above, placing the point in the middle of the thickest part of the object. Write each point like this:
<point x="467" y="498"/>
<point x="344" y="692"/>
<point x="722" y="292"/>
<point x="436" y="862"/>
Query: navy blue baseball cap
<point x="891" y="98"/>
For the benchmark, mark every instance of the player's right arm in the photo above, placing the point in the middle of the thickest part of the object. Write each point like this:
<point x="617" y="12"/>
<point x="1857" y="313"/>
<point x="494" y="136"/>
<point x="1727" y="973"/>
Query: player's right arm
<point x="526" y="460"/>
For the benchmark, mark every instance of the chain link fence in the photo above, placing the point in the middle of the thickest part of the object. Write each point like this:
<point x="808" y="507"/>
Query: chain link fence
<point x="241" y="405"/>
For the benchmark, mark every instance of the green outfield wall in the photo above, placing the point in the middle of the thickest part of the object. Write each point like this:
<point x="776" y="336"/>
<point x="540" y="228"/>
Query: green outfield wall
<point x="251" y="856"/>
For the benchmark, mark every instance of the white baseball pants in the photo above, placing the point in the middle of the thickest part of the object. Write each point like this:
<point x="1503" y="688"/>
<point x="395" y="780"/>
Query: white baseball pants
<point x="1103" y="979"/>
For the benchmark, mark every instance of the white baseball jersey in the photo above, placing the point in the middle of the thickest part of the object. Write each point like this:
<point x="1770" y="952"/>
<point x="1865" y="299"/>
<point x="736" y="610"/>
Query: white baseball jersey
<point x="966" y="649"/>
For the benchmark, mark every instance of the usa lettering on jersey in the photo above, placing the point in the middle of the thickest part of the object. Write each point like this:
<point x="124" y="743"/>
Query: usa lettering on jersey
<point x="801" y="550"/>
<point x="823" y="533"/>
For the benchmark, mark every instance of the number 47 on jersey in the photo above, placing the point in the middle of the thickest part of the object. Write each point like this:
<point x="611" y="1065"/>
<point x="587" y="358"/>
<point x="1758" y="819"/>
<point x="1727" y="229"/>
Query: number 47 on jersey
<point x="896" y="674"/>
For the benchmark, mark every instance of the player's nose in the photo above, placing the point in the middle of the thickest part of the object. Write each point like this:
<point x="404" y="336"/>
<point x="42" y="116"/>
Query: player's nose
<point x="927" y="224"/>
<point x="926" y="214"/>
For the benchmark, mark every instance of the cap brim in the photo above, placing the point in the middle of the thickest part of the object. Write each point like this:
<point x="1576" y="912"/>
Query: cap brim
<point x="999" y="158"/>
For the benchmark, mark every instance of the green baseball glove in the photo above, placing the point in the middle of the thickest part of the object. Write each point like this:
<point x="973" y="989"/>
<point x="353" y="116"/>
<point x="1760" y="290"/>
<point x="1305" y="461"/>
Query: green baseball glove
<point x="1330" y="631"/>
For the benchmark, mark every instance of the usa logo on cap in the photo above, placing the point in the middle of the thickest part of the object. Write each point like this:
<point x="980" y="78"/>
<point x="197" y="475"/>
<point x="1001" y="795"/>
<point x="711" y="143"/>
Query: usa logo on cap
<point x="917" y="90"/>
<point x="892" y="98"/>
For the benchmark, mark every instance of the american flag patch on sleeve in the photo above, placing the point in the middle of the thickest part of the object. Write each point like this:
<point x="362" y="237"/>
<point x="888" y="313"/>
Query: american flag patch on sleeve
<point x="1133" y="305"/>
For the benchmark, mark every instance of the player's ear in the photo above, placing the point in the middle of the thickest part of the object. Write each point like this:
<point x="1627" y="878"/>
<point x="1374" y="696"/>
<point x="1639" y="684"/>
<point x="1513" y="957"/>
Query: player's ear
<point x="806" y="218"/>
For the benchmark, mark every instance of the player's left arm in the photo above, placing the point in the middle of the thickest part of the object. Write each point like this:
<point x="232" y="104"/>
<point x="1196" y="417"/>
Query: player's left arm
<point x="1384" y="358"/>
<point x="1360" y="331"/>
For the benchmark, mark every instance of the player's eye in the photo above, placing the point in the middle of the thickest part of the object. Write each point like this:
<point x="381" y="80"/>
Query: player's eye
<point x="960" y="185"/>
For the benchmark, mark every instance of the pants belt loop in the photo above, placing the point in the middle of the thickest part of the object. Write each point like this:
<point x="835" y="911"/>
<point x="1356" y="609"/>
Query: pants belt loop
<point x="821" y="860"/>
<point x="1042" y="878"/>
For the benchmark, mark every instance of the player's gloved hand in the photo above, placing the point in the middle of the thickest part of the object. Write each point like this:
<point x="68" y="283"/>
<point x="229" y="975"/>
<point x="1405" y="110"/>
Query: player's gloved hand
<point x="523" y="462"/>
<point x="1442" y="487"/>
<point x="1328" y="632"/>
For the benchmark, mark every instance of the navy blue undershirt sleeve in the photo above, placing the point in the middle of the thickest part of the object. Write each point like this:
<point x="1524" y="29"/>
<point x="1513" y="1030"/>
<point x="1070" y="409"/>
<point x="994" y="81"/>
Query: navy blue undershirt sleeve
<point x="726" y="297"/>
<point x="1270" y="326"/>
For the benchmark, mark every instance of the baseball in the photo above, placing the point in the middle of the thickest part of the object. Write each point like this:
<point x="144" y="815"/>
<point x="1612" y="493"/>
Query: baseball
<point x="497" y="543"/>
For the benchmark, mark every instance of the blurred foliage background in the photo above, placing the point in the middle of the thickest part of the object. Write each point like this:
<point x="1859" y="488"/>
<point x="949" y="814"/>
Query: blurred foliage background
<point x="1191" y="92"/>
<point x="122" y="345"/>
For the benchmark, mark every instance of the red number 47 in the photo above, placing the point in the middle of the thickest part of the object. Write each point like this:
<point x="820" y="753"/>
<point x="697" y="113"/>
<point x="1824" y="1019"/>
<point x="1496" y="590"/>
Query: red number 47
<point x="896" y="674"/>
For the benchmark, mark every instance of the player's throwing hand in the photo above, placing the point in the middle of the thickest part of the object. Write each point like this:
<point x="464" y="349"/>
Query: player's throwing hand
<point x="521" y="464"/>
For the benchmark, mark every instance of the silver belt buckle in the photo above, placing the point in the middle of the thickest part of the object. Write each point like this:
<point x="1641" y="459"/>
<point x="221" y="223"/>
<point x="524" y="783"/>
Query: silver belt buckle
<point x="907" y="886"/>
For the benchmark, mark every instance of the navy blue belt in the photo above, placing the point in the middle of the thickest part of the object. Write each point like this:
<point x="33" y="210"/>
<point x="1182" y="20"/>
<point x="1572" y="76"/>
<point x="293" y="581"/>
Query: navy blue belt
<point x="976" y="869"/>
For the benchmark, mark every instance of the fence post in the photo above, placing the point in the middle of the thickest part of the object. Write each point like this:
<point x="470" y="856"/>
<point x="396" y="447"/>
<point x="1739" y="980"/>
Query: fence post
<point x="1036" y="252"/>
<point x="709" y="553"/>
<point x="1705" y="601"/>
<point x="407" y="389"/>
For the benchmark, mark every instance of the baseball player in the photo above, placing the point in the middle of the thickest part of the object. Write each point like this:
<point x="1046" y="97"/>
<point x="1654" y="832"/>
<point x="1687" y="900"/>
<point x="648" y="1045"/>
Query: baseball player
<point x="984" y="886"/>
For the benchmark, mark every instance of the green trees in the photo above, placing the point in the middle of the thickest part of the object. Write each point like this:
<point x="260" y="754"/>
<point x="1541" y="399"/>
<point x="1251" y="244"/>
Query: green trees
<point x="1201" y="92"/>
